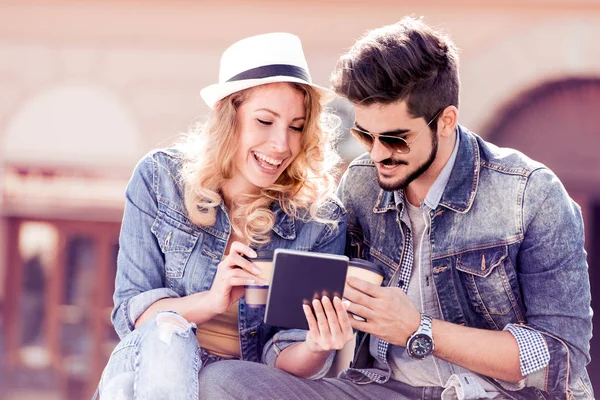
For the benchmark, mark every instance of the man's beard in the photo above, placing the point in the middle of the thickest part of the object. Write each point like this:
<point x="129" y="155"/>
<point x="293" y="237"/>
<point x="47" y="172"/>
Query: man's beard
<point x="403" y="182"/>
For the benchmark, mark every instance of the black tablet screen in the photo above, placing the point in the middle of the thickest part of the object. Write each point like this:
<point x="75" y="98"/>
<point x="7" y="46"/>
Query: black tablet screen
<point x="298" y="278"/>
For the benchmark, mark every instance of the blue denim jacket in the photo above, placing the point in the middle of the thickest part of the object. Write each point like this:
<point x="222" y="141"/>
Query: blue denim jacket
<point x="163" y="254"/>
<point x="507" y="248"/>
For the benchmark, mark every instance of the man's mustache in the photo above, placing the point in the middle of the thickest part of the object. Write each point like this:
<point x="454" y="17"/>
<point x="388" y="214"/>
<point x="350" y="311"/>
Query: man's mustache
<point x="391" y="162"/>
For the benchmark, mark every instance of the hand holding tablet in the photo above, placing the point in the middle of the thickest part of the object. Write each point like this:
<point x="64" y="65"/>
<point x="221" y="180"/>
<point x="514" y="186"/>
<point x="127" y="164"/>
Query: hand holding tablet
<point x="298" y="277"/>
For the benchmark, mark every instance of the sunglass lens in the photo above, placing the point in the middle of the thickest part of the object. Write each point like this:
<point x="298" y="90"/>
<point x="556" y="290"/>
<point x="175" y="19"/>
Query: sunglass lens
<point x="364" y="138"/>
<point x="394" y="143"/>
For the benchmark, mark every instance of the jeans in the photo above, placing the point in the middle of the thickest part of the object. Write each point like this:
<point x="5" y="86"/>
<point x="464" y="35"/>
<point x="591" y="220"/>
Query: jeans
<point x="233" y="379"/>
<point x="159" y="360"/>
<point x="163" y="360"/>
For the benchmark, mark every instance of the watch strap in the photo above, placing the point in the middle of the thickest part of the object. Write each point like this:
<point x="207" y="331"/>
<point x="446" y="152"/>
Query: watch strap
<point x="425" y="326"/>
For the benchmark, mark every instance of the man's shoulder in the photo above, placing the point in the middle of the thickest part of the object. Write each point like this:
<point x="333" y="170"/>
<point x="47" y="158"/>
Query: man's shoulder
<point x="362" y="166"/>
<point x="364" y="160"/>
<point x="361" y="171"/>
<point x="504" y="159"/>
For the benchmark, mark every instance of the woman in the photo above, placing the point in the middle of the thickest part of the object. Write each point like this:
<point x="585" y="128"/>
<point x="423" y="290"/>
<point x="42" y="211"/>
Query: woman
<point x="258" y="176"/>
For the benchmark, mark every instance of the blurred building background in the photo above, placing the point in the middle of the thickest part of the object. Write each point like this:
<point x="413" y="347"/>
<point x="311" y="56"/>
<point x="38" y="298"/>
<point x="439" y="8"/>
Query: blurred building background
<point x="89" y="86"/>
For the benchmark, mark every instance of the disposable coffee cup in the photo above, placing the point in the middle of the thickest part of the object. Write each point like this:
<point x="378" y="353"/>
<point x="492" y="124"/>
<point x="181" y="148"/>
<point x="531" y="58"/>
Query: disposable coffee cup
<point x="256" y="295"/>
<point x="367" y="271"/>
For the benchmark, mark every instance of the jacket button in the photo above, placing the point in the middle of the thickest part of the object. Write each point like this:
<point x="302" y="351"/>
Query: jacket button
<point x="252" y="334"/>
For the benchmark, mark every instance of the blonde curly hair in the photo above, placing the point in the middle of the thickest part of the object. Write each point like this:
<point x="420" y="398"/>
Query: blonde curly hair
<point x="301" y="190"/>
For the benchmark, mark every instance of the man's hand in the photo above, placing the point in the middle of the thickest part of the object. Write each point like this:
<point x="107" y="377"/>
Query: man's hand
<point x="390" y="315"/>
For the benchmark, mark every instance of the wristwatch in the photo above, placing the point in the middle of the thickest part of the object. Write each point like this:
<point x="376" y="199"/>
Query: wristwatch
<point x="420" y="344"/>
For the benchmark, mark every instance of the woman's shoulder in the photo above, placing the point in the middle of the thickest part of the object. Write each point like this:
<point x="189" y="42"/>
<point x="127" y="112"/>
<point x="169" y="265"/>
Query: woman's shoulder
<point x="163" y="162"/>
<point x="161" y="169"/>
<point x="166" y="157"/>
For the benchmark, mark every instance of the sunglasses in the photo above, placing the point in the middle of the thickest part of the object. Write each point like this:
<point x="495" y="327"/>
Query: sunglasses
<point x="392" y="143"/>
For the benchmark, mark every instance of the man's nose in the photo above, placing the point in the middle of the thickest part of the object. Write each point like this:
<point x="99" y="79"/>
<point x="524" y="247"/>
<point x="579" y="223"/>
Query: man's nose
<point x="379" y="152"/>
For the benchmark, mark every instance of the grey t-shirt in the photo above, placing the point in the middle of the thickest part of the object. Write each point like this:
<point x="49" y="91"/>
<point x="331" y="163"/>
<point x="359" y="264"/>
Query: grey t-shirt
<point x="431" y="371"/>
<point x="404" y="368"/>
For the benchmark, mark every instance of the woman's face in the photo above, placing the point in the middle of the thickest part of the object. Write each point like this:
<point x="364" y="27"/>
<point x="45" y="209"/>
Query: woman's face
<point x="270" y="121"/>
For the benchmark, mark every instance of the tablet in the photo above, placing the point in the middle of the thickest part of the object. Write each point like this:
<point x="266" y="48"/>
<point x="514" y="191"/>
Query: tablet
<point x="297" y="278"/>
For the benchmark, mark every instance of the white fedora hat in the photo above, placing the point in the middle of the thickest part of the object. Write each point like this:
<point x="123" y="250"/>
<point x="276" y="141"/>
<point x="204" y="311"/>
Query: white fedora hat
<point x="258" y="60"/>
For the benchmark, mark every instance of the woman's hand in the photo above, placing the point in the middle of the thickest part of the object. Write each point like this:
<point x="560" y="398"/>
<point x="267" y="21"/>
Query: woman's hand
<point x="232" y="274"/>
<point x="331" y="329"/>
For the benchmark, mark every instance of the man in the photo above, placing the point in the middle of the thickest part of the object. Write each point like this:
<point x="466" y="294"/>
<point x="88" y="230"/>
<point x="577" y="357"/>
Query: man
<point x="486" y="292"/>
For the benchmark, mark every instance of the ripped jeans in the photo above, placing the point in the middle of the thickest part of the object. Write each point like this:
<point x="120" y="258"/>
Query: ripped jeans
<point x="159" y="360"/>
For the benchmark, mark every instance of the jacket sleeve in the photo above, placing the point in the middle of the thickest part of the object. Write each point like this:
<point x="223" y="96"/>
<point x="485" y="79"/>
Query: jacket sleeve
<point x="353" y="246"/>
<point x="331" y="240"/>
<point x="553" y="275"/>
<point x="140" y="278"/>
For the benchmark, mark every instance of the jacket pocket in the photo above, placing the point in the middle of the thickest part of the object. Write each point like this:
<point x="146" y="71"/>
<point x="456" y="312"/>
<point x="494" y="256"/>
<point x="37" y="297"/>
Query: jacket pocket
<point x="176" y="241"/>
<point x="489" y="280"/>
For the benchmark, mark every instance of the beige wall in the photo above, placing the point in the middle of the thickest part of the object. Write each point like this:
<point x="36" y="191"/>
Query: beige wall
<point x="148" y="60"/>
<point x="154" y="56"/>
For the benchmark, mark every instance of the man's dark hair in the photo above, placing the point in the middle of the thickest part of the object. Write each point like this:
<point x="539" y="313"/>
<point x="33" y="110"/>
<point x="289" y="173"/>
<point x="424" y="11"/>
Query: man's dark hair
<point x="407" y="61"/>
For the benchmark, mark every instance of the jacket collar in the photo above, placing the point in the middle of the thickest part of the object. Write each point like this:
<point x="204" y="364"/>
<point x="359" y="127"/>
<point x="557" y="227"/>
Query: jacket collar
<point x="461" y="187"/>
<point x="464" y="179"/>
<point x="386" y="201"/>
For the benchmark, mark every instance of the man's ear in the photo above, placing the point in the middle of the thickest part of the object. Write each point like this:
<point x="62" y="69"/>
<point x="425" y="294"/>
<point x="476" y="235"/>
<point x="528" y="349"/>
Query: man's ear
<point x="448" y="121"/>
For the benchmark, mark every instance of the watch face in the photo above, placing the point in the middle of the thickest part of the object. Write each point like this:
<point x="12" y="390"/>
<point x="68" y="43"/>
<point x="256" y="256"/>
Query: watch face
<point x="420" y="346"/>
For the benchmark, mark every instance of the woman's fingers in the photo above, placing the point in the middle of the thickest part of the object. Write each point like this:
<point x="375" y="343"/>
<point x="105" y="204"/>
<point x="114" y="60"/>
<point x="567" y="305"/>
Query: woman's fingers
<point x="240" y="281"/>
<point x="235" y="260"/>
<point x="238" y="277"/>
<point x="322" y="322"/>
<point x="343" y="318"/>
<point x="241" y="248"/>
<point x="329" y="325"/>
<point x="310" y="318"/>
<point x="250" y="278"/>
<point x="341" y="311"/>
<point x="332" y="318"/>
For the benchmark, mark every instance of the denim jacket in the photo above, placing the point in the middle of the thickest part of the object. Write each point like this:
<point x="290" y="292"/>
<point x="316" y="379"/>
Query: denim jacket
<point x="163" y="254"/>
<point x="507" y="248"/>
